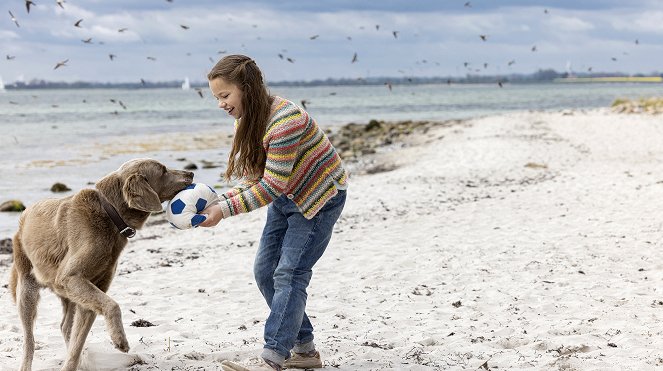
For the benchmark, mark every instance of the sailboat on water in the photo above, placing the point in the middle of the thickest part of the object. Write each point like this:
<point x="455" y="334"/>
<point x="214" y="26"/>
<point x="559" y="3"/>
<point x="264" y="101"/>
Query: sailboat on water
<point x="186" y="85"/>
<point x="2" y="85"/>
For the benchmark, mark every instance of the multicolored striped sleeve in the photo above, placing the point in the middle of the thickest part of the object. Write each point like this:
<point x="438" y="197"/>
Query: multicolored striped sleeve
<point x="282" y="143"/>
<point x="238" y="188"/>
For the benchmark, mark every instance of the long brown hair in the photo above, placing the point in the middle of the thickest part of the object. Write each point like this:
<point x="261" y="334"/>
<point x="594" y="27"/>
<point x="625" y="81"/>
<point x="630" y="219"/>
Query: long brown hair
<point x="247" y="155"/>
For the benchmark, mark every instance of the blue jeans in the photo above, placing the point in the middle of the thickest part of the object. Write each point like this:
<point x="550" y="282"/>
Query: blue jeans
<point x="289" y="247"/>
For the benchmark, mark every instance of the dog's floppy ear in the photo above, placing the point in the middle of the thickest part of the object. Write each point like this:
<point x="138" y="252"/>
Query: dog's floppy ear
<point x="139" y="195"/>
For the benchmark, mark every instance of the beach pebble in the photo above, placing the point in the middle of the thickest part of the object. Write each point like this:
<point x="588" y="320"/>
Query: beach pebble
<point x="6" y="246"/>
<point x="59" y="187"/>
<point x="12" y="205"/>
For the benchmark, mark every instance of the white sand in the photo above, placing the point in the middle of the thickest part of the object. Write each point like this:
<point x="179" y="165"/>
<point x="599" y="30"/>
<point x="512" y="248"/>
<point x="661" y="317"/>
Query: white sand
<point x="461" y="256"/>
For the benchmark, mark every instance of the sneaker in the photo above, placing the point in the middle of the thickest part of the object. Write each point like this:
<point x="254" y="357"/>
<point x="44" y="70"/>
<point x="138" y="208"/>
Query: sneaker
<point x="304" y="360"/>
<point x="260" y="365"/>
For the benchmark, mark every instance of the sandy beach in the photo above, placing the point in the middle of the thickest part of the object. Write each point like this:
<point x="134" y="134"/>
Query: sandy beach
<point x="521" y="241"/>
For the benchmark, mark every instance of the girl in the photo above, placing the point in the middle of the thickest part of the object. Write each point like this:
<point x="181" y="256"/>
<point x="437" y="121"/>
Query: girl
<point x="288" y="163"/>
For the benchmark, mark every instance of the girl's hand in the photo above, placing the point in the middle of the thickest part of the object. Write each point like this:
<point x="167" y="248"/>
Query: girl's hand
<point x="213" y="214"/>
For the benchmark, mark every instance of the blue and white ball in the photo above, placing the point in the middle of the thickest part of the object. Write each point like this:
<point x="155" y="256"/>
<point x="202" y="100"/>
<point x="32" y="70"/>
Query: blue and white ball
<point x="182" y="211"/>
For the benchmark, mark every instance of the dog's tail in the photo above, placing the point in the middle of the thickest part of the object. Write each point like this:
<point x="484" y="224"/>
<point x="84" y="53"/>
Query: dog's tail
<point x="21" y="263"/>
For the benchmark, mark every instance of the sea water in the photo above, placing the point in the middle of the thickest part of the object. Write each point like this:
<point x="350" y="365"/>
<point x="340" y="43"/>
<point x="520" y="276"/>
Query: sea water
<point x="49" y="136"/>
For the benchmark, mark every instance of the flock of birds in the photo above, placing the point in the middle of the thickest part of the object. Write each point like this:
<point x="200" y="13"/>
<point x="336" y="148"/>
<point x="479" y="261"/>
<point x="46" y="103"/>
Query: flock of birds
<point x="467" y="65"/>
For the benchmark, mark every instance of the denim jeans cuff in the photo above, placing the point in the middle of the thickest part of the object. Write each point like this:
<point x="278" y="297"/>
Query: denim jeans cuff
<point x="271" y="355"/>
<point x="304" y="348"/>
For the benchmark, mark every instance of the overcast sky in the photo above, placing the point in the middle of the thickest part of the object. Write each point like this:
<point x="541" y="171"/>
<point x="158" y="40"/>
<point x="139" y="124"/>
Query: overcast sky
<point x="321" y="37"/>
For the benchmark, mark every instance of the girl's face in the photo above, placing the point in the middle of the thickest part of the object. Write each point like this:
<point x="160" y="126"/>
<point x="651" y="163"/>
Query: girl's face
<point x="228" y="95"/>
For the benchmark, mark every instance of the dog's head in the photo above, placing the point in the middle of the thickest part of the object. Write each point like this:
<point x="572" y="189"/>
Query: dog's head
<point x="146" y="183"/>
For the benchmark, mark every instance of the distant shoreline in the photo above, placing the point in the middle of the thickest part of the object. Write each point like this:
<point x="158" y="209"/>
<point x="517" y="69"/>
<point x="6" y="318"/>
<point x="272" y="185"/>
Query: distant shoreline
<point x="539" y="77"/>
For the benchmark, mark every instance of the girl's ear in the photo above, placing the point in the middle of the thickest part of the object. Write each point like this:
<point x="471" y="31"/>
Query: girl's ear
<point x="139" y="195"/>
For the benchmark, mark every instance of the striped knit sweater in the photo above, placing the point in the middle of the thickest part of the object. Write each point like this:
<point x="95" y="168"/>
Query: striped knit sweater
<point x="301" y="163"/>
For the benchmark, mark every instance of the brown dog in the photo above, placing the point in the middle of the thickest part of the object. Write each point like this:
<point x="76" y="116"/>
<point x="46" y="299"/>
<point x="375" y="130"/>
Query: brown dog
<point x="72" y="246"/>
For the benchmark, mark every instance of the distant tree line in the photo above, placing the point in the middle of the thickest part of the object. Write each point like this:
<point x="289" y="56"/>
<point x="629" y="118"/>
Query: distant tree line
<point x="541" y="76"/>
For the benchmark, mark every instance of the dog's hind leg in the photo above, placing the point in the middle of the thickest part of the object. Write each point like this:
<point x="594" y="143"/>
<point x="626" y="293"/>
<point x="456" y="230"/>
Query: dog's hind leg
<point x="83" y="320"/>
<point x="27" y="299"/>
<point x="68" y="310"/>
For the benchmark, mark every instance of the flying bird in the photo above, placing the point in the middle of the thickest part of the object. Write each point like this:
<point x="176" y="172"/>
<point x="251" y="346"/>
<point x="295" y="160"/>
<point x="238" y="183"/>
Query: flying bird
<point x="10" y="57"/>
<point x="61" y="64"/>
<point x="121" y="104"/>
<point x="60" y="2"/>
<point x="152" y="58"/>
<point x="637" y="42"/>
<point x="78" y="23"/>
<point x="395" y="33"/>
<point x="499" y="83"/>
<point x="280" y="55"/>
<point x="199" y="91"/>
<point x="534" y="48"/>
<point x="354" y="58"/>
<point x="142" y="81"/>
<point x="122" y="29"/>
<point x="185" y="27"/>
<point x="111" y="56"/>
<point x="290" y="60"/>
<point x="88" y="40"/>
<point x="614" y="59"/>
<point x="28" y="3"/>
<point x="468" y="5"/>
<point x="511" y="62"/>
<point x="314" y="37"/>
<point x="377" y="27"/>
<point x="483" y="37"/>
<point x="545" y="11"/>
<point x="303" y="102"/>
<point x="14" y="19"/>
<point x="589" y="69"/>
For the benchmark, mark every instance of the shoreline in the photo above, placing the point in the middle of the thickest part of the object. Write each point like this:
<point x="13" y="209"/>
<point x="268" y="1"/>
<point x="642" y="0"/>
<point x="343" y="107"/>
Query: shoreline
<point x="527" y="240"/>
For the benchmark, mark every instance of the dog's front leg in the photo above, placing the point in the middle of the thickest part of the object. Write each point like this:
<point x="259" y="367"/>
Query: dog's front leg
<point x="88" y="296"/>
<point x="83" y="320"/>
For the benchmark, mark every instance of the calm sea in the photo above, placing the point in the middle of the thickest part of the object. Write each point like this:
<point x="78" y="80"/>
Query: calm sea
<point x="58" y="135"/>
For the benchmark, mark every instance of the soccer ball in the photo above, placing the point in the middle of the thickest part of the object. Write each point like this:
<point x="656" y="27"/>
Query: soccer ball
<point x="182" y="211"/>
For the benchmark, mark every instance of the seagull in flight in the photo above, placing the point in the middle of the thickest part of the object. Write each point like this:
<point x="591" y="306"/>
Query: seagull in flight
<point x="354" y="58"/>
<point x="61" y="64"/>
<point x="78" y="23"/>
<point x="60" y="2"/>
<point x="13" y="18"/>
<point x="28" y="3"/>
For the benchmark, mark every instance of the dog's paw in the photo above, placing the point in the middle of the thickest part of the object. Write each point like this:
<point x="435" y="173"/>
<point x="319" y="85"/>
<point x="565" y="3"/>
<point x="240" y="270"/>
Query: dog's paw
<point x="122" y="345"/>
